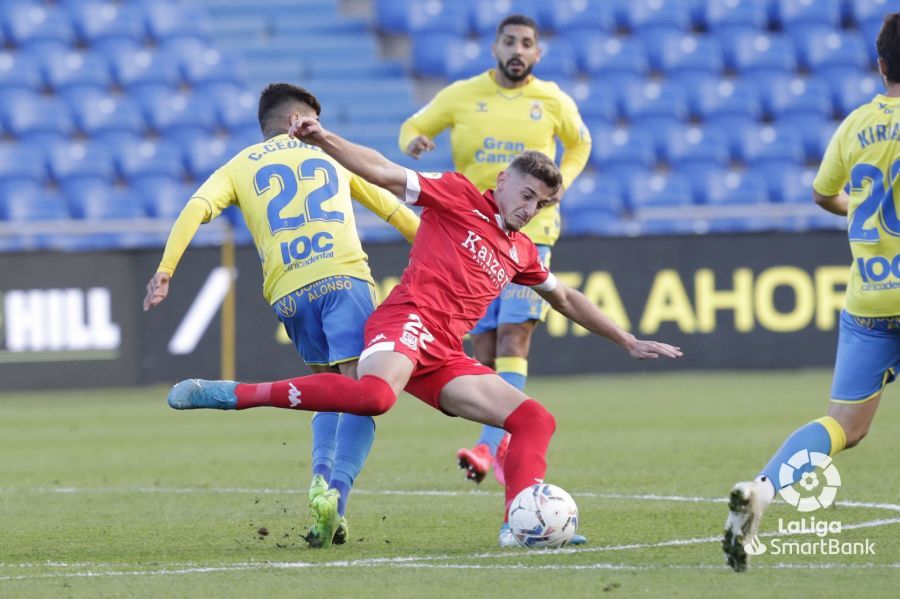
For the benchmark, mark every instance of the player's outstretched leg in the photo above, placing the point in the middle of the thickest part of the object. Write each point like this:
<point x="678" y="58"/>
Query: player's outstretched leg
<point x="748" y="500"/>
<point x="326" y="392"/>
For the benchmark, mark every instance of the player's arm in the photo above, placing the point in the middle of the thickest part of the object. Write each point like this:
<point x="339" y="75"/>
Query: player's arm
<point x="388" y="207"/>
<point x="363" y="161"/>
<point x="579" y="309"/>
<point x="418" y="131"/>
<point x="828" y="186"/>
<point x="576" y="141"/>
<point x="212" y="197"/>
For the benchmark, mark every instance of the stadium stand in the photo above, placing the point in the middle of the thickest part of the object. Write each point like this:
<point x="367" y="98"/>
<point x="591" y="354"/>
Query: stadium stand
<point x="700" y="105"/>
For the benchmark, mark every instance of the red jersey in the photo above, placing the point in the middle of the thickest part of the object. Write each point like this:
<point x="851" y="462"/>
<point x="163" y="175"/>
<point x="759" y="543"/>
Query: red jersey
<point x="463" y="256"/>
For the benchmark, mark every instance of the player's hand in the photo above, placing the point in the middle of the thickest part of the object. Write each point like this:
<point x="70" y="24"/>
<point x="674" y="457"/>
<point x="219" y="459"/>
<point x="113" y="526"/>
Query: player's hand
<point x="650" y="350"/>
<point x="419" y="146"/>
<point x="157" y="290"/>
<point x="307" y="129"/>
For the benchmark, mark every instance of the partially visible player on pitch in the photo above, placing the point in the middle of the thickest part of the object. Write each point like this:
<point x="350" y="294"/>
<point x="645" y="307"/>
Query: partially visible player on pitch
<point x="492" y="118"/>
<point x="467" y="250"/>
<point x="296" y="201"/>
<point x="864" y="152"/>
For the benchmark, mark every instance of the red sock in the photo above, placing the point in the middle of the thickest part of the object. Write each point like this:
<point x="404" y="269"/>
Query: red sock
<point x="326" y="392"/>
<point x="530" y="426"/>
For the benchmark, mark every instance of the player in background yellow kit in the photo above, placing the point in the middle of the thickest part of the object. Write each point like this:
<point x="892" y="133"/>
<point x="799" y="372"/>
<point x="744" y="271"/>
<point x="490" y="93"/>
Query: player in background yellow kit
<point x="492" y="118"/>
<point x="864" y="153"/>
<point x="296" y="201"/>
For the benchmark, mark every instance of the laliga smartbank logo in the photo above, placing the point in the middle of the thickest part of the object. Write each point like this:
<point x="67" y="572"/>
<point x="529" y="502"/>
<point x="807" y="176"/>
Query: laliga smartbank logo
<point x="809" y="481"/>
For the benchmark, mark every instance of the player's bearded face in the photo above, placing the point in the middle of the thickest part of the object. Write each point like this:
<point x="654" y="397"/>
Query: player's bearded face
<point x="517" y="51"/>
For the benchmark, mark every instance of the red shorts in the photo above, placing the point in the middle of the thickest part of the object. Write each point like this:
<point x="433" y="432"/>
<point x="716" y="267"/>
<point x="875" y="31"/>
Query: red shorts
<point x="399" y="328"/>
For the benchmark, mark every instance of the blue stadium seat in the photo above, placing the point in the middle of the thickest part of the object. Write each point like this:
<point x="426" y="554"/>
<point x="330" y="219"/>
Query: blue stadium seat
<point x="96" y="111"/>
<point x="710" y="96"/>
<point x="300" y="22"/>
<point x="567" y="16"/>
<point x="823" y="48"/>
<point x="353" y="67"/>
<point x="593" y="206"/>
<point x="26" y="115"/>
<point x="767" y="143"/>
<point x="76" y="68"/>
<point x="851" y="88"/>
<point x="487" y="14"/>
<point x="734" y="187"/>
<point x="867" y="13"/>
<point x="596" y="101"/>
<point x="19" y="70"/>
<point x="682" y="54"/>
<point x="654" y="99"/>
<point x="245" y="135"/>
<point x="30" y="22"/>
<point x="97" y="199"/>
<point x="392" y="16"/>
<point x="602" y="55"/>
<point x="759" y="51"/>
<point x="787" y="183"/>
<point x="801" y="13"/>
<point x="437" y="16"/>
<point x="141" y="158"/>
<point x="22" y="162"/>
<point x="233" y="105"/>
<point x="205" y="154"/>
<point x="655" y="190"/>
<point x="201" y="63"/>
<point x="616" y="147"/>
<point x="736" y="128"/>
<point x="720" y="15"/>
<point x="163" y="197"/>
<point x="25" y="202"/>
<point x="341" y="100"/>
<point x="167" y="19"/>
<point x="97" y="20"/>
<point x="470" y="59"/>
<point x="136" y="66"/>
<point x="431" y="51"/>
<point x="78" y="160"/>
<point x="692" y="144"/>
<point x="814" y="130"/>
<point x="643" y="15"/>
<point x="166" y="110"/>
<point x="788" y="96"/>
<point x="557" y="60"/>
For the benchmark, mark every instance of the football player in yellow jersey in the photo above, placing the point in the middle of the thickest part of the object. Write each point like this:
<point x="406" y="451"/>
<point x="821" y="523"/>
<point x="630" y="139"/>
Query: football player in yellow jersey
<point x="492" y="118"/>
<point x="864" y="153"/>
<point x="296" y="202"/>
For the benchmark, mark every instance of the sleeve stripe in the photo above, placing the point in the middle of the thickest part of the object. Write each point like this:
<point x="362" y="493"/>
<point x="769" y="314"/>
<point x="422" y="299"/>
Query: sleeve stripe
<point x="549" y="283"/>
<point x="412" y="188"/>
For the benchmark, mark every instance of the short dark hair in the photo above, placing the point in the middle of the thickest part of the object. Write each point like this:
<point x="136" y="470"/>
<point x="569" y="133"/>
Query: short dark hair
<point x="539" y="166"/>
<point x="277" y="94"/>
<point x="518" y="20"/>
<point x="888" y="46"/>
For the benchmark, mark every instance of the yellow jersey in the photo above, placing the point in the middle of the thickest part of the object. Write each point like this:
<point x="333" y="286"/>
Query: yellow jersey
<point x="296" y="202"/>
<point x="865" y="152"/>
<point x="490" y="125"/>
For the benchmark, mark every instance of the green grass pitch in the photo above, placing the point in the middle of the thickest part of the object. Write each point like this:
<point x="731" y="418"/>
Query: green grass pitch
<point x="113" y="494"/>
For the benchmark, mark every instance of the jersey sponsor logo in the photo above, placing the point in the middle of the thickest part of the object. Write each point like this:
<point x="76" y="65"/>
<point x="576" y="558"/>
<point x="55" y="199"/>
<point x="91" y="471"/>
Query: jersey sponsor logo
<point x="322" y="288"/>
<point x="502" y="151"/>
<point x="537" y="110"/>
<point x="484" y="257"/>
<point x="303" y="250"/>
<point x="874" y="271"/>
<point x="481" y="107"/>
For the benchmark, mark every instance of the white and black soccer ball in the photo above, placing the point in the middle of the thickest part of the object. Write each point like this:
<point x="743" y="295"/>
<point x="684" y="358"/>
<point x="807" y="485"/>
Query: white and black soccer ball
<point x="543" y="517"/>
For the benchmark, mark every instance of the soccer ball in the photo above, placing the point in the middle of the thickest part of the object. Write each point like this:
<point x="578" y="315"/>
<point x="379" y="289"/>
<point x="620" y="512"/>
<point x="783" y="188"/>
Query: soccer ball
<point x="543" y="517"/>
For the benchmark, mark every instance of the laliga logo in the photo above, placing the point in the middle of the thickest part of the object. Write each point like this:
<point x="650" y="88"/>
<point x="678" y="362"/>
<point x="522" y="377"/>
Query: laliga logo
<point x="754" y="546"/>
<point x="818" y="486"/>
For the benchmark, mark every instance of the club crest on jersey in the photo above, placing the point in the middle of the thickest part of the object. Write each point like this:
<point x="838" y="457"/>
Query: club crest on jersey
<point x="537" y="111"/>
<point x="481" y="107"/>
<point x="484" y="256"/>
